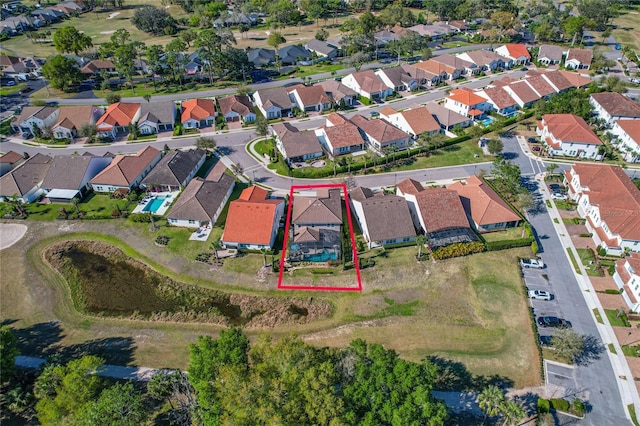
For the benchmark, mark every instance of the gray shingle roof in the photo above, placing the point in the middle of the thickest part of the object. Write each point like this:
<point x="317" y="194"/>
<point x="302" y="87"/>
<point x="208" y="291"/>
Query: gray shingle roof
<point x="201" y="199"/>
<point x="67" y="171"/>
<point x="158" y="112"/>
<point x="24" y="177"/>
<point x="388" y="218"/>
<point x="174" y="168"/>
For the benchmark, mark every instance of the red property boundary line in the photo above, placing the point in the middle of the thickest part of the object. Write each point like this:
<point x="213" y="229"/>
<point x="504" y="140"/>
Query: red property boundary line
<point x="351" y="233"/>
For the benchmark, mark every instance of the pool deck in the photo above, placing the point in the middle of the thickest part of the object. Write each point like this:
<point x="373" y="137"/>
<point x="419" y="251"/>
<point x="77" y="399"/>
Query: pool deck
<point x="169" y="197"/>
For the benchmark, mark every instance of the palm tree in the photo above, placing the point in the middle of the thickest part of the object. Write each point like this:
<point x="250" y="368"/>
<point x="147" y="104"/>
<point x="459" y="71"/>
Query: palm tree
<point x="490" y="401"/>
<point x="420" y="242"/>
<point x="215" y="246"/>
<point x="512" y="412"/>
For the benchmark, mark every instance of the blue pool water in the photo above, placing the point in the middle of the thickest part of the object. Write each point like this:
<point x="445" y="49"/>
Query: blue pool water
<point x="153" y="205"/>
<point x="487" y="121"/>
<point x="321" y="257"/>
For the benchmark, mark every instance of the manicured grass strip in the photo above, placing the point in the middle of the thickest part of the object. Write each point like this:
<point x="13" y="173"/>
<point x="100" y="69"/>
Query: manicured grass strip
<point x="548" y="203"/>
<point x="573" y="261"/>
<point x="630" y="351"/>
<point x="10" y="90"/>
<point x="614" y="320"/>
<point x="612" y="349"/>
<point x="596" y="313"/>
<point x="555" y="220"/>
<point x="632" y="412"/>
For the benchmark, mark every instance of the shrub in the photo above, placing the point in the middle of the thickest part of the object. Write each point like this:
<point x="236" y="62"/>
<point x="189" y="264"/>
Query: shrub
<point x="177" y="130"/>
<point x="140" y="217"/>
<point x="586" y="235"/>
<point x="364" y="101"/>
<point x="543" y="405"/>
<point x="112" y="98"/>
<point x="458" y="249"/>
<point x="578" y="407"/>
<point x="601" y="251"/>
<point x="560" y="404"/>
<point x="203" y="257"/>
<point x="534" y="247"/>
<point x="162" y="240"/>
<point x="611" y="291"/>
<point x="322" y="271"/>
<point x="507" y="244"/>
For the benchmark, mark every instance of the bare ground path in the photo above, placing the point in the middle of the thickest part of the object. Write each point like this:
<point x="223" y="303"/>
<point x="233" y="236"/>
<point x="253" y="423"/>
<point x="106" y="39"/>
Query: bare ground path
<point x="11" y="233"/>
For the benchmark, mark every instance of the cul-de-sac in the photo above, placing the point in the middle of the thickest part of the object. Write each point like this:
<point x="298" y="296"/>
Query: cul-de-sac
<point x="320" y="212"/>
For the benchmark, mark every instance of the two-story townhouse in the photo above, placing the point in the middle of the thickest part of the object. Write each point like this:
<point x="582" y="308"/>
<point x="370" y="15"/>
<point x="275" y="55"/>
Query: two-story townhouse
<point x="611" y="106"/>
<point x="627" y="133"/>
<point x="568" y="135"/>
<point x="466" y="102"/>
<point x="627" y="278"/>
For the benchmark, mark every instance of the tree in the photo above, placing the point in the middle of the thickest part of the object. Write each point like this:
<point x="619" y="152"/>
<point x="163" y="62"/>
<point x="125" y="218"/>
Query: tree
<point x="155" y="62"/>
<point x="490" y="401"/>
<point x="154" y="20"/>
<point x="421" y="240"/>
<point x="69" y="40"/>
<point x="119" y="404"/>
<point x="8" y="352"/>
<point x="215" y="246"/>
<point x="262" y="126"/>
<point x="211" y="43"/>
<point x="506" y="177"/>
<point x="112" y="98"/>
<point x="596" y="10"/>
<point x="274" y="40"/>
<point x="89" y="131"/>
<point x="63" y="390"/>
<point x="551" y="168"/>
<point x="356" y="60"/>
<point x="206" y="142"/>
<point x="176" y="59"/>
<point x="568" y="344"/>
<point x="525" y="200"/>
<point x="512" y="412"/>
<point x="62" y="72"/>
<point x="495" y="146"/>
<point x="188" y="36"/>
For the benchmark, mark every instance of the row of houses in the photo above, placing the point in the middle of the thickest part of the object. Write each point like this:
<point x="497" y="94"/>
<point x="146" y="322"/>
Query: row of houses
<point x="572" y="58"/>
<point x="41" y="17"/>
<point x="151" y="117"/>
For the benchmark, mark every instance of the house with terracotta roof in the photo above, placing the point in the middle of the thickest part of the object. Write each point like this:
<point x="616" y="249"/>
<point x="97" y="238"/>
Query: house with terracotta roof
<point x="41" y="117"/>
<point x="485" y="60"/>
<point x="456" y="63"/>
<point x="501" y="101"/>
<point x="117" y="119"/>
<point x="156" y="117"/>
<point x="367" y="84"/>
<point x="540" y="86"/>
<point x="438" y="212"/>
<point x="549" y="54"/>
<point x="316" y="224"/>
<point x="253" y="220"/>
<point x="443" y="71"/>
<point x="10" y="160"/>
<point x="557" y="80"/>
<point x="609" y="201"/>
<point x="25" y="181"/>
<point x="517" y="54"/>
<point x="72" y="118"/>
<point x="522" y="93"/>
<point x="485" y="209"/>
<point x="466" y="102"/>
<point x="126" y="172"/>
<point x="383" y="219"/>
<point x="197" y="113"/>
<point x="273" y="103"/>
<point x="380" y="135"/>
<point x="578" y="59"/>
<point x="69" y="176"/>
<point x="568" y="135"/>
<point x="627" y="133"/>
<point x="338" y="92"/>
<point x="611" y="106"/>
<point x="201" y="202"/>
<point x="423" y="77"/>
<point x="397" y="79"/>
<point x="627" y="278"/>
<point x="415" y="121"/>
<point x="175" y="170"/>
<point x="296" y="146"/>
<point x="98" y="66"/>
<point x="447" y="118"/>
<point x="339" y="136"/>
<point x="237" y="108"/>
<point x="309" y="98"/>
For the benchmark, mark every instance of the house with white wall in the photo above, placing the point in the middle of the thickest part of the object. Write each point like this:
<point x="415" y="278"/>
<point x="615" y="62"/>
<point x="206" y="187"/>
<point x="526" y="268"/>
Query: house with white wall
<point x="367" y="84"/>
<point x="273" y="103"/>
<point x="568" y="135"/>
<point x="627" y="133"/>
<point x="201" y="202"/>
<point x="627" y="278"/>
<point x="414" y="121"/>
<point x="380" y="135"/>
<point x="611" y="106"/>
<point x="466" y="102"/>
<point x="42" y="117"/>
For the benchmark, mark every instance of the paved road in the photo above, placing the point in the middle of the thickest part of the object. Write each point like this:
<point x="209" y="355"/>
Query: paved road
<point x="596" y="381"/>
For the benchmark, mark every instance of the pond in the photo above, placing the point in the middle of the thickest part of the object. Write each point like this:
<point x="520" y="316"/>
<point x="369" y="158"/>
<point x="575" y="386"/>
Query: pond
<point x="104" y="281"/>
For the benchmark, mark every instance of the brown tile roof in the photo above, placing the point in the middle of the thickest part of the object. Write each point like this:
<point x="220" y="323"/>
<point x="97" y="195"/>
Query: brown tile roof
<point x="250" y="219"/>
<point x="617" y="198"/>
<point x="441" y="209"/>
<point x="419" y="73"/>
<point x="517" y="50"/>
<point x="583" y="56"/>
<point x="540" y="85"/>
<point x="465" y="96"/>
<point x="550" y="51"/>
<point x="483" y="57"/>
<point x="322" y="209"/>
<point x="119" y="114"/>
<point x="336" y="89"/>
<point x="296" y="143"/>
<point x="410" y="186"/>
<point x="240" y="104"/>
<point x="420" y="120"/>
<point x="504" y="81"/>
<point x="482" y="203"/>
<point x="277" y="96"/>
<point x="570" y="128"/>
<point x="617" y="105"/>
<point x="75" y="116"/>
<point x="97" y="65"/>
<point x="369" y="81"/>
<point x="631" y="128"/>
<point x="67" y="172"/>
<point x="576" y="79"/>
<point x="388" y="218"/>
<point x="343" y="135"/>
<point x="360" y="193"/>
<point x="201" y="199"/>
<point x="435" y="67"/>
<point x="500" y="97"/>
<point x="23" y="178"/>
<point x="174" y="168"/>
<point x="524" y="91"/>
<point x="387" y="110"/>
<point x="445" y="116"/>
<point x="557" y="80"/>
<point x="452" y="61"/>
<point x="379" y="129"/>
<point x="124" y="169"/>
<point x="34" y="111"/>
<point x="11" y="157"/>
<point x="306" y="234"/>
<point x="336" y="119"/>
<point x="310" y="95"/>
<point x="198" y="109"/>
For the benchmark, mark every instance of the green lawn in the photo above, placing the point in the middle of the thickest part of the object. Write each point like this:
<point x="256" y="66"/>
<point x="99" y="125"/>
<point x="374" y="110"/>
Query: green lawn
<point x="317" y="69"/>
<point x="507" y="234"/>
<point x="264" y="147"/>
<point x="95" y="206"/>
<point x="612" y="315"/>
<point x="573" y="262"/>
<point x="10" y="90"/>
<point x="589" y="262"/>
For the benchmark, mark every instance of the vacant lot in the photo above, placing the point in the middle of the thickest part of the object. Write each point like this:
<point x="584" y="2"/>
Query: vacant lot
<point x="627" y="31"/>
<point x="458" y="309"/>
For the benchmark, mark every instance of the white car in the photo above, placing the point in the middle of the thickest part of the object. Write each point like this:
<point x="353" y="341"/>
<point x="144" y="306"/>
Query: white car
<point x="532" y="263"/>
<point x="559" y="196"/>
<point x="540" y="295"/>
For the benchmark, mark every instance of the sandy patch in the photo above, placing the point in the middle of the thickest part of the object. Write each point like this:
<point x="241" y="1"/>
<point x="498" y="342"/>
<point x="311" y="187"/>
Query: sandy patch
<point x="11" y="233"/>
<point x="113" y="15"/>
<point x="108" y="32"/>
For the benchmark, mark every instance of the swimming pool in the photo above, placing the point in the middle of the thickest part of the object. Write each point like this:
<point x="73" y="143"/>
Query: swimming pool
<point x="488" y="121"/>
<point x="153" y="205"/>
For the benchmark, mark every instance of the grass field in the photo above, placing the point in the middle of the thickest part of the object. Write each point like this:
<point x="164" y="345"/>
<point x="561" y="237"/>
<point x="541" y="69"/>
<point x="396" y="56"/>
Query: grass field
<point x="10" y="90"/>
<point x="627" y="31"/>
<point x="479" y="318"/>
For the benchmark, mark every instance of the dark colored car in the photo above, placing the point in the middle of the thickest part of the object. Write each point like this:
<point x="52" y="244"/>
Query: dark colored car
<point x="553" y="322"/>
<point x="545" y="340"/>
<point x="536" y="149"/>
<point x="533" y="140"/>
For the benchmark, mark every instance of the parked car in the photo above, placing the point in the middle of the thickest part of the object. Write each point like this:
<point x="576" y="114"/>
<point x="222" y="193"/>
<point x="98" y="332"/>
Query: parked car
<point x="553" y="322"/>
<point x="536" y="149"/>
<point x="558" y="196"/>
<point x="532" y="263"/>
<point x="545" y="341"/>
<point x="540" y="295"/>
<point x="556" y="187"/>
<point x="533" y="140"/>
<point x="26" y="135"/>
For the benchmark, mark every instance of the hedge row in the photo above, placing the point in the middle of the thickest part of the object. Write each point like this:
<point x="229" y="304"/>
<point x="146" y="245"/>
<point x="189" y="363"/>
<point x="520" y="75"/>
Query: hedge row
<point x="507" y="244"/>
<point x="457" y="250"/>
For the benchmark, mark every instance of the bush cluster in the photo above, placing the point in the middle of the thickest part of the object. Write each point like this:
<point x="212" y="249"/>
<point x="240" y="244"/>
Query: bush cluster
<point x="458" y="249"/>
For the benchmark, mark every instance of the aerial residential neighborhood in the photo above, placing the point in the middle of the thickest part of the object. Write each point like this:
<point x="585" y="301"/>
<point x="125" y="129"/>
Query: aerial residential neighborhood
<point x="319" y="212"/>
